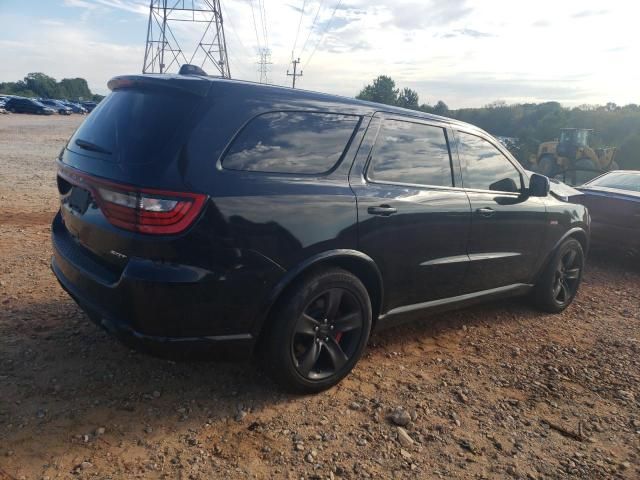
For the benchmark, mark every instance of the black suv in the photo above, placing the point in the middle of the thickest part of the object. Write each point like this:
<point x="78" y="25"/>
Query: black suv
<point x="245" y="218"/>
<point x="27" y="105"/>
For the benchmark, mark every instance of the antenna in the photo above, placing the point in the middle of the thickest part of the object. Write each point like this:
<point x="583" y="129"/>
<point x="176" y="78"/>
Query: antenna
<point x="163" y="52"/>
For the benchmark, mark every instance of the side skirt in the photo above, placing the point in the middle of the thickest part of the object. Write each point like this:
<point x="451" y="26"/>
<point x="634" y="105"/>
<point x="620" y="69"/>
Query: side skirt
<point x="413" y="312"/>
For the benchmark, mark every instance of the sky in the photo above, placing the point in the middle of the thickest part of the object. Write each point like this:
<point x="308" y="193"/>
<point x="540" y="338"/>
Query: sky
<point x="467" y="53"/>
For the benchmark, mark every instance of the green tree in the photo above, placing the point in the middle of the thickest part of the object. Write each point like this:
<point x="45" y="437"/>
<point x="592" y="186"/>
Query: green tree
<point x="441" y="108"/>
<point x="408" y="98"/>
<point x="41" y="84"/>
<point x="383" y="90"/>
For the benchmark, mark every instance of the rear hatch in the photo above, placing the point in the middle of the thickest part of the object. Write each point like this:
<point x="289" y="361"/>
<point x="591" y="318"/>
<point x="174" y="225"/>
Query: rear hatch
<point x="122" y="175"/>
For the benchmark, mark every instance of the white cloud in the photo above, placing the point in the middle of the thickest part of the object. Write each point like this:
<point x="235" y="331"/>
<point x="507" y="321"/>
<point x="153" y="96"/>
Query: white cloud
<point x="465" y="52"/>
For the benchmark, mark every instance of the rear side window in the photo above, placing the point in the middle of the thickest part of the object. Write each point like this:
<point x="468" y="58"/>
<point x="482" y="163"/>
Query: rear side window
<point x="132" y="126"/>
<point x="487" y="168"/>
<point x="291" y="142"/>
<point x="407" y="152"/>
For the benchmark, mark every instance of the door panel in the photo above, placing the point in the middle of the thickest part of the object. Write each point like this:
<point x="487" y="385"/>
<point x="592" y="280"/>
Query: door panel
<point x="503" y="246"/>
<point x="416" y="233"/>
<point x="420" y="249"/>
<point x="507" y="226"/>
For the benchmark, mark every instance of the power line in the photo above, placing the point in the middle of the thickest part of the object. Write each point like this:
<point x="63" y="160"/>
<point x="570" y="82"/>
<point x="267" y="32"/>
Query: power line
<point x="326" y="28"/>
<point x="295" y="43"/>
<point x="235" y="33"/>
<point x="315" y="19"/>
<point x="265" y="29"/>
<point x="255" y="27"/>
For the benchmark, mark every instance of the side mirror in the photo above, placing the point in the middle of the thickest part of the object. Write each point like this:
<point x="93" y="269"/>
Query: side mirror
<point x="539" y="185"/>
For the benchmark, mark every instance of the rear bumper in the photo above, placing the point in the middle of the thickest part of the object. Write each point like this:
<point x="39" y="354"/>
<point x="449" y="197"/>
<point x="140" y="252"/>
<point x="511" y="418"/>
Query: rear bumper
<point x="165" y="307"/>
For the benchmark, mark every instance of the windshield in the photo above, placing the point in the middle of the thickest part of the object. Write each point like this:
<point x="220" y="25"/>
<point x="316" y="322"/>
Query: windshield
<point x="620" y="180"/>
<point x="582" y="137"/>
<point x="565" y="136"/>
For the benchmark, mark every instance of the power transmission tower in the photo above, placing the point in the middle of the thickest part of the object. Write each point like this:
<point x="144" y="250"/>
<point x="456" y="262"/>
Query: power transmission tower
<point x="295" y="69"/>
<point x="163" y="52"/>
<point x="264" y="62"/>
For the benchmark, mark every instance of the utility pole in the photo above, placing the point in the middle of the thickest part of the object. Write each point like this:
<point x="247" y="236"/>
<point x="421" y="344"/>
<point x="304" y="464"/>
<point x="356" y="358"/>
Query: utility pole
<point x="295" y="69"/>
<point x="264" y="62"/>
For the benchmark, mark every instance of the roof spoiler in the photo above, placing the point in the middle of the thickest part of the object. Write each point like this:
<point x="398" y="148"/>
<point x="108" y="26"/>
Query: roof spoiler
<point x="186" y="83"/>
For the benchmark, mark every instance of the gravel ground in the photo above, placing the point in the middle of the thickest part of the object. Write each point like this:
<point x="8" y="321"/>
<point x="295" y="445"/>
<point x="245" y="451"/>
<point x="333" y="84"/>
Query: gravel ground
<point x="497" y="391"/>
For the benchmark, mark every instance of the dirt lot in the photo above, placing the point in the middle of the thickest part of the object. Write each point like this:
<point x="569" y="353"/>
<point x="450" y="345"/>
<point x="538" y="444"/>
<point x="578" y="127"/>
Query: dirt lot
<point x="499" y="391"/>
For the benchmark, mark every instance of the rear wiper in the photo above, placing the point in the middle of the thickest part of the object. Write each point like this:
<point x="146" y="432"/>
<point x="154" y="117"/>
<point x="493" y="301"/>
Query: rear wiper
<point x="91" y="146"/>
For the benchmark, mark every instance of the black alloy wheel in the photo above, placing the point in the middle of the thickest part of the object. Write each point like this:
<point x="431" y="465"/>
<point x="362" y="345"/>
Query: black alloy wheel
<point x="567" y="276"/>
<point x="327" y="334"/>
<point x="317" y="331"/>
<point x="559" y="283"/>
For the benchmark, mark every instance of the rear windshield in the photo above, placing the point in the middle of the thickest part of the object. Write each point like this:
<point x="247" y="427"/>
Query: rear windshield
<point x="131" y="126"/>
<point x="619" y="180"/>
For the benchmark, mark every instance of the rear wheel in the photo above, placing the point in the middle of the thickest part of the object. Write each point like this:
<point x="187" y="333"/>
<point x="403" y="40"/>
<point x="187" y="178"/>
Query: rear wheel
<point x="318" y="331"/>
<point x="559" y="283"/>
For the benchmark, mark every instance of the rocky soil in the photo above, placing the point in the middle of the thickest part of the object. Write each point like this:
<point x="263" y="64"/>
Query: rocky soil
<point x="497" y="391"/>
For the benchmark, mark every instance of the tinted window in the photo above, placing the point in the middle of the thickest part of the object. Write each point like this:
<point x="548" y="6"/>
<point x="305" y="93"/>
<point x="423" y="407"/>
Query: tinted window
<point x="135" y="126"/>
<point x="487" y="167"/>
<point x="407" y="152"/>
<point x="291" y="142"/>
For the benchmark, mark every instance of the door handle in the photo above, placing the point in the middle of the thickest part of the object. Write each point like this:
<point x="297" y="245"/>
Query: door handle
<point x="486" y="211"/>
<point x="382" y="210"/>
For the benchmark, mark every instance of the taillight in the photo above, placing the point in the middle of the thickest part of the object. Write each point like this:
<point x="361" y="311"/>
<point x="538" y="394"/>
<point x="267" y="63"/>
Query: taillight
<point x="141" y="210"/>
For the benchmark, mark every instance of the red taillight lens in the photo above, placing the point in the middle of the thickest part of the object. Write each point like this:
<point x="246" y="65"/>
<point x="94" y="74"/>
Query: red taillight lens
<point x="141" y="210"/>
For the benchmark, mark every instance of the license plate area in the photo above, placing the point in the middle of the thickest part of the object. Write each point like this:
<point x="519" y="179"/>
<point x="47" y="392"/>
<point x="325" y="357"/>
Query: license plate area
<point x="78" y="200"/>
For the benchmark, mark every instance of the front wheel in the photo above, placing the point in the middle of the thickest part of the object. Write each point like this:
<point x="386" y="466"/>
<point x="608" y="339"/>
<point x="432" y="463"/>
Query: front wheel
<point x="318" y="331"/>
<point x="559" y="283"/>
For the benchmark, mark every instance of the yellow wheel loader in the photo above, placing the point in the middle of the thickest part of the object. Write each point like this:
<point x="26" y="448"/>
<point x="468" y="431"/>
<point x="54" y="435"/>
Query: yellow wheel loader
<point x="572" y="158"/>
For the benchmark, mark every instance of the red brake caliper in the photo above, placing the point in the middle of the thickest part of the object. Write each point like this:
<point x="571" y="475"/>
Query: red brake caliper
<point x="338" y="336"/>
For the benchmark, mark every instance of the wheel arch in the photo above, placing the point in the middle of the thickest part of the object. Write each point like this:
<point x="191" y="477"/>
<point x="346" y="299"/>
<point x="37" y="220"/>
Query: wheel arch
<point x="577" y="233"/>
<point x="353" y="261"/>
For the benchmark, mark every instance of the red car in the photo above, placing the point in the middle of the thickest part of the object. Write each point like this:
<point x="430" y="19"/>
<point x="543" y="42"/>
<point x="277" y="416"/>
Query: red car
<point x="613" y="200"/>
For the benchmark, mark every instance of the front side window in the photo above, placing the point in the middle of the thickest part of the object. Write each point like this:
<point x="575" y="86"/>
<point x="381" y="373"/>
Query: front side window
<point x="291" y="142"/>
<point x="414" y="153"/>
<point x="487" y="167"/>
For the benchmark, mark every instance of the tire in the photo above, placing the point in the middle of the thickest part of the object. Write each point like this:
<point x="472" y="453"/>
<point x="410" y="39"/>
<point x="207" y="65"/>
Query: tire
<point x="317" y="331"/>
<point x="547" y="166"/>
<point x="560" y="281"/>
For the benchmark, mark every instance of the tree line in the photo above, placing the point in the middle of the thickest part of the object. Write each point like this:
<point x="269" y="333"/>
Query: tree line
<point x="43" y="86"/>
<point x="530" y="123"/>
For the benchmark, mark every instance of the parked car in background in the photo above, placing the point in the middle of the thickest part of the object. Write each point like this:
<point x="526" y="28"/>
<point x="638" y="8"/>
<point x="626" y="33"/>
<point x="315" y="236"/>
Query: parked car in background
<point x="242" y="217"/>
<point x="89" y="106"/>
<point x="57" y="105"/>
<point x="613" y="200"/>
<point x="28" y="105"/>
<point x="75" y="107"/>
